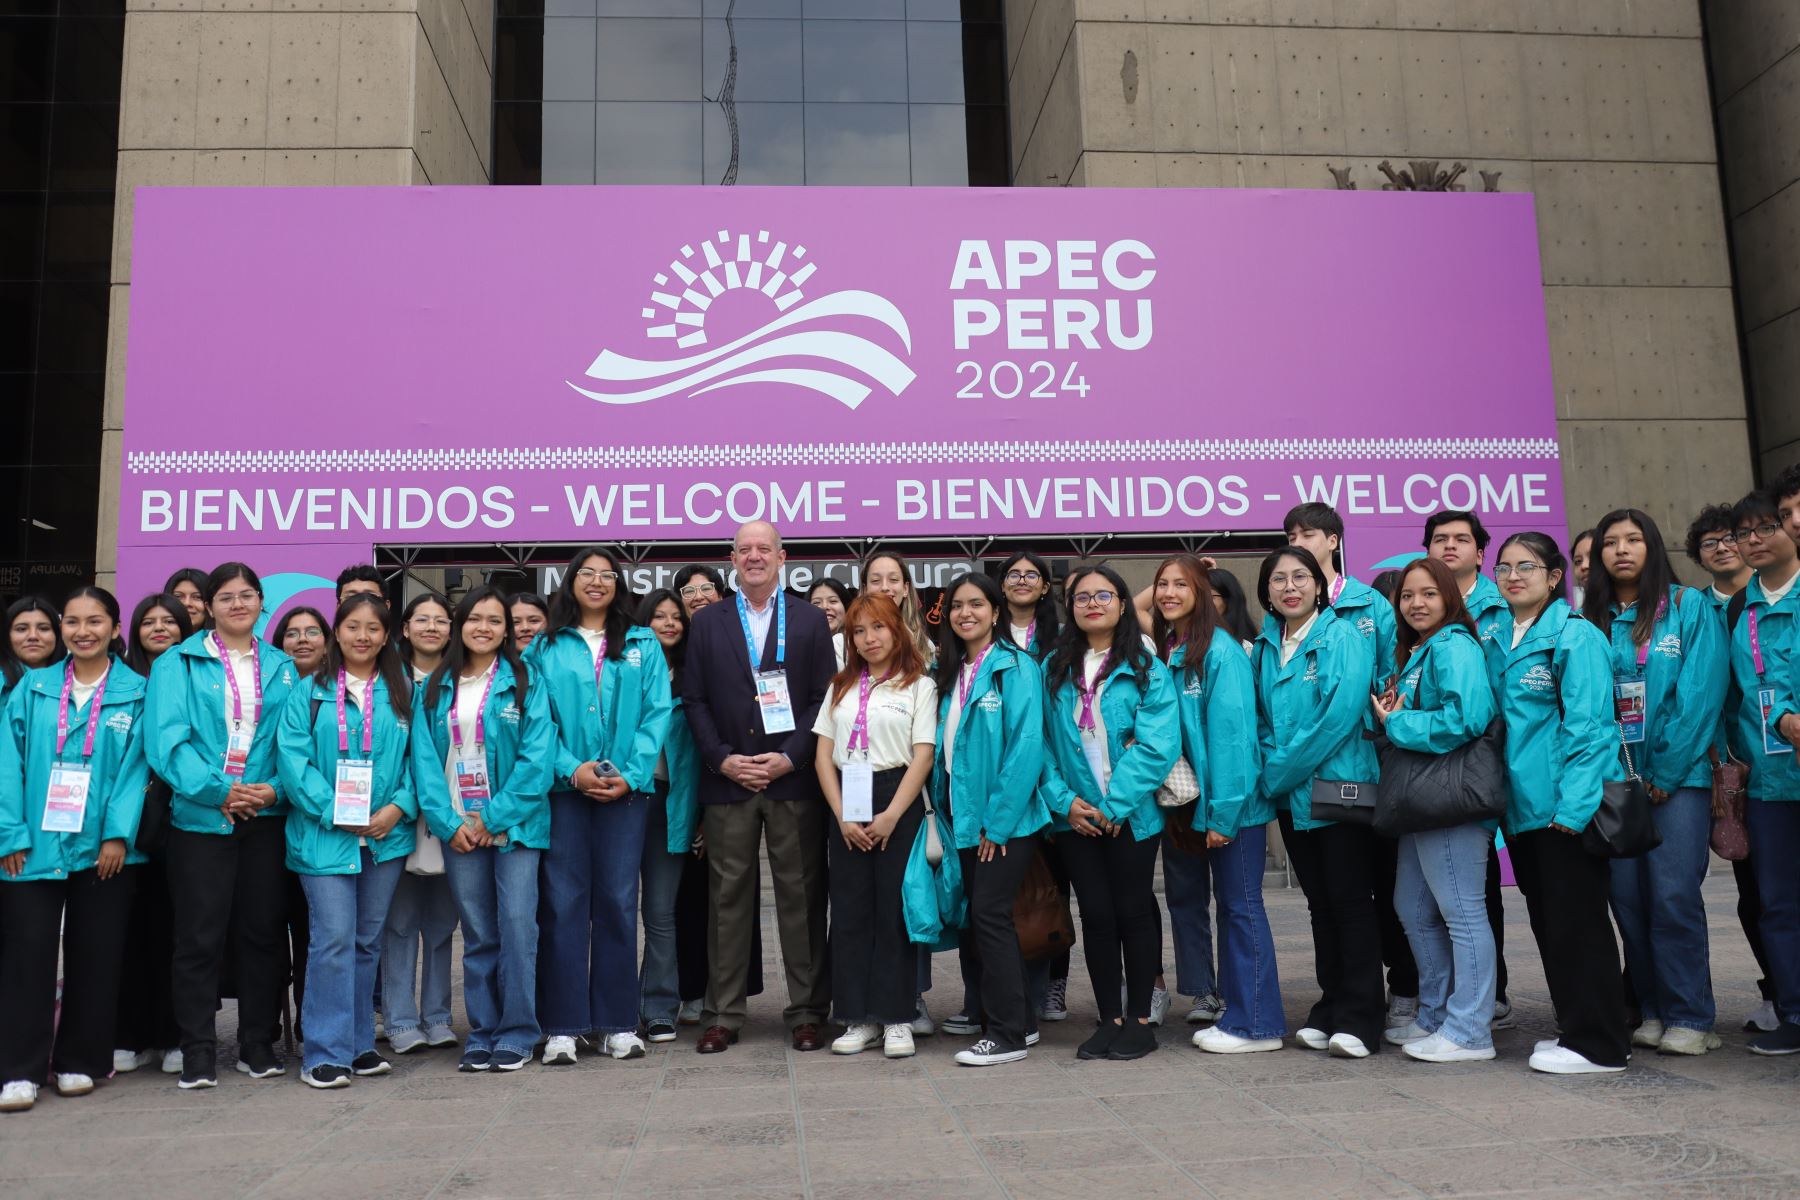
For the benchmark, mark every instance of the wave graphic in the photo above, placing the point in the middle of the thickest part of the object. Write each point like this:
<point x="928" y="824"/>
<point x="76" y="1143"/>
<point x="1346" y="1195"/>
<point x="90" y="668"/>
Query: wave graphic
<point x="638" y="380"/>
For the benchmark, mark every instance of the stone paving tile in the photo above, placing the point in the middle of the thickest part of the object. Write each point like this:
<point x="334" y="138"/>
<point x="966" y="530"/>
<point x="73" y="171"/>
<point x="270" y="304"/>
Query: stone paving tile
<point x="972" y="1188"/>
<point x="1156" y="1182"/>
<point x="373" y="1181"/>
<point x="1034" y="1116"/>
<point x="702" y="1166"/>
<point x="1185" y="1109"/>
<point x="1239" y="1140"/>
<point x="1324" y="1177"/>
<point x="721" y="1133"/>
<point x="1513" y="1167"/>
<point x="949" y="1157"/>
<point x="819" y="1127"/>
<point x="516" y="1175"/>
<point x="1657" y="1156"/>
<point x="1011" y="1152"/>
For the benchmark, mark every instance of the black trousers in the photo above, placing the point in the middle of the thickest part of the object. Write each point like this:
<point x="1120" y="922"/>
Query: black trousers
<point x="874" y="964"/>
<point x="1496" y="909"/>
<point x="146" y="1019"/>
<point x="299" y="933"/>
<point x="230" y="888"/>
<point x="1059" y="962"/>
<point x="1749" y="911"/>
<point x="1116" y="896"/>
<point x="86" y="918"/>
<point x="1335" y="866"/>
<point x="990" y="946"/>
<point x="1566" y="892"/>
<point x="1396" y="951"/>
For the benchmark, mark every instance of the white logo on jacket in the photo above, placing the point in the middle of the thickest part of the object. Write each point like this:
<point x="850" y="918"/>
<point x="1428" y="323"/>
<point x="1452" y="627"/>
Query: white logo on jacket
<point x="510" y="713"/>
<point x="1539" y="679"/>
<point x="1367" y="625"/>
<point x="634" y="656"/>
<point x="119" y="722"/>
<point x="1312" y="671"/>
<point x="1669" y="645"/>
<point x="989" y="702"/>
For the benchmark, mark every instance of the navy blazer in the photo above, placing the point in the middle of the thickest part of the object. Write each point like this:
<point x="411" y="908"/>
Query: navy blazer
<point x="718" y="692"/>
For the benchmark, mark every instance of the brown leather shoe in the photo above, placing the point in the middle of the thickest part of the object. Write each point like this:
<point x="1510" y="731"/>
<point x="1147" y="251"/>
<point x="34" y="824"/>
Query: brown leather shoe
<point x="806" y="1037"/>
<point x="716" y="1040"/>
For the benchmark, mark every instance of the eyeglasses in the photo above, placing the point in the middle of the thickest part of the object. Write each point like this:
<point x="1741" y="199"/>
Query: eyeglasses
<point x="1708" y="545"/>
<point x="1296" y="582"/>
<point x="1524" y="570"/>
<point x="1094" y="599"/>
<point x="1761" y="533"/>
<point x="1024" y="577"/>
<point x="593" y="575"/>
<point x="698" y="589"/>
<point x="234" y="599"/>
<point x="431" y="622"/>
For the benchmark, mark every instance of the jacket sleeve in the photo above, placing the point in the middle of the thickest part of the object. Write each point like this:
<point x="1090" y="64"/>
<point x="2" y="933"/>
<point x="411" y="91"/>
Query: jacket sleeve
<point x="428" y="778"/>
<point x="1345" y="669"/>
<point x="1022" y="759"/>
<point x="1386" y="641"/>
<point x="307" y="788"/>
<point x="1232" y="750"/>
<point x="1156" y="744"/>
<point x="712" y="749"/>
<point x="528" y="784"/>
<point x="15" y="833"/>
<point x="1053" y="788"/>
<point x="809" y="694"/>
<point x="639" y="767"/>
<point x="404" y="796"/>
<point x="1590" y="742"/>
<point x="169" y="741"/>
<point x="125" y="796"/>
<point x="1465" y="703"/>
<point x="1681" y="737"/>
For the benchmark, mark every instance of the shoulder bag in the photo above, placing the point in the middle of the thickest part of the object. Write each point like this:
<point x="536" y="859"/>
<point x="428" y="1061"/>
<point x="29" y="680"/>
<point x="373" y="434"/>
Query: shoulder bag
<point x="1420" y="791"/>
<point x="1730" y="783"/>
<point x="1622" y="827"/>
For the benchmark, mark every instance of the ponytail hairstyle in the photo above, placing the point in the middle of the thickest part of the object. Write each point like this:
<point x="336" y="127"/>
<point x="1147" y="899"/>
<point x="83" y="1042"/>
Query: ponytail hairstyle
<point x="565" y="610"/>
<point x="1236" y="620"/>
<point x="136" y="657"/>
<point x="1654" y="581"/>
<point x="1195" y="631"/>
<point x="107" y="601"/>
<point x="1046" y="618"/>
<point x="456" y="654"/>
<point x="1065" y="658"/>
<point x="387" y="661"/>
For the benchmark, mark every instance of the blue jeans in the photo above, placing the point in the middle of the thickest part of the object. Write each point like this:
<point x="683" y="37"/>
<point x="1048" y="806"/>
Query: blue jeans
<point x="422" y="911"/>
<point x="1247" y="979"/>
<point x="348" y="913"/>
<point x="1186" y="880"/>
<point x="588" y="906"/>
<point x="496" y="895"/>
<point x="1774" y="827"/>
<point x="1440" y="892"/>
<point x="661" y="880"/>
<point x="1662" y="920"/>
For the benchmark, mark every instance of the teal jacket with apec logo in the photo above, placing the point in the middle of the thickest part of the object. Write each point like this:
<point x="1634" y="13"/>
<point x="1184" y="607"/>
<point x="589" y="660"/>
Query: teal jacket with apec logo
<point x="1312" y="711"/>
<point x="1143" y="740"/>
<point x="999" y="759"/>
<point x="625" y="722"/>
<point x="307" y="757"/>
<point x="518" y="741"/>
<point x="1772" y="776"/>
<point x="1217" y="709"/>
<point x="1371" y="614"/>
<point x="1685" y="673"/>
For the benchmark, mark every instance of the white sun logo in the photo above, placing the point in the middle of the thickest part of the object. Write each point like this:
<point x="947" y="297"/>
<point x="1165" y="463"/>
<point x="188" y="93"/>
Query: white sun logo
<point x="685" y="318"/>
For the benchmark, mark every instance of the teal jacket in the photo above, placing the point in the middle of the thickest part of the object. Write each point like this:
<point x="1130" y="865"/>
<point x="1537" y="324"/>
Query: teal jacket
<point x="1685" y="676"/>
<point x="993" y="788"/>
<point x="1556" y="693"/>
<point x="1143" y="740"/>
<point x="1772" y="776"/>
<point x="1311" y="713"/>
<point x="185" y="709"/>
<point x="1725" y="736"/>
<point x="684" y="781"/>
<point x="634" y="694"/>
<point x="1217" y="710"/>
<point x="115" y="789"/>
<point x="1371" y="614"/>
<point x="520" y="739"/>
<point x="1493" y="621"/>
<point x="307" y="757"/>
<point x="1449" y="697"/>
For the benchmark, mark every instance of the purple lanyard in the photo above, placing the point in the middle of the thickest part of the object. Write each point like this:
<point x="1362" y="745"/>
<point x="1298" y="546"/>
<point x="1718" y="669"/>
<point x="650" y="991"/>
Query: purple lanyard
<point x="1755" y="645"/>
<point x="1085" y="719"/>
<point x="599" y="661"/>
<point x="1661" y="609"/>
<point x="967" y="679"/>
<point x="368" y="730"/>
<point x="62" y="712"/>
<point x="860" y="728"/>
<point x="481" y="709"/>
<point x="1337" y="588"/>
<point x="237" y="701"/>
<point x="1030" y="632"/>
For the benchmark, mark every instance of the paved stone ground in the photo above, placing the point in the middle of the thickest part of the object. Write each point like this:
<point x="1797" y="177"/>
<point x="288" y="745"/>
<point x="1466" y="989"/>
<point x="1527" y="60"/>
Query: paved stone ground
<point x="763" y="1122"/>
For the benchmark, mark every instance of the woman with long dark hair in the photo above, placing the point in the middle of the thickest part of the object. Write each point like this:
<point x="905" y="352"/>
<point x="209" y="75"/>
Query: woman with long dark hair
<point x="1670" y="674"/>
<point x="832" y="598"/>
<point x="188" y="585"/>
<point x="1032" y="620"/>
<point x="33" y="640"/>
<point x="1112" y="735"/>
<point x="885" y="571"/>
<point x="669" y="831"/>
<point x="1232" y="606"/>
<point x="302" y="634"/>
<point x="530" y="613"/>
<point x="608" y="684"/>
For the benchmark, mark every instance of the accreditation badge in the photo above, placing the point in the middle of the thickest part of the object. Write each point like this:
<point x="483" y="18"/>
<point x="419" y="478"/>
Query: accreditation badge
<point x="355" y="787"/>
<point x="777" y="705"/>
<point x="65" y="800"/>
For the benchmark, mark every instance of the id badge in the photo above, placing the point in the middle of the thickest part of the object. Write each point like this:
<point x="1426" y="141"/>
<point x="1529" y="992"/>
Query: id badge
<point x="1629" y="700"/>
<point x="355" y="786"/>
<point x="858" y="790"/>
<point x="1090" y="746"/>
<point x="65" y="800"/>
<point x="1773" y="742"/>
<point x="472" y="783"/>
<point x="777" y="707"/>
<point x="237" y="748"/>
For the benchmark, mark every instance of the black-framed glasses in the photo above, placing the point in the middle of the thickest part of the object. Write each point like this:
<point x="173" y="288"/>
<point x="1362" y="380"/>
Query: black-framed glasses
<point x="1024" y="577"/>
<point x="1094" y="599"/>
<point x="1761" y="533"/>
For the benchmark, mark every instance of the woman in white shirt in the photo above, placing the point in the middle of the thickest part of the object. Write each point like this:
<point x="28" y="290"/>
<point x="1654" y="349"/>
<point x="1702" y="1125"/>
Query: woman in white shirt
<point x="876" y="739"/>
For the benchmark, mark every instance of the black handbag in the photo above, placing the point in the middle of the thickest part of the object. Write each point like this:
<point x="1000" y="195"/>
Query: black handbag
<point x="1622" y="826"/>
<point x="153" y="825"/>
<point x="1420" y="792"/>
<point x="1343" y="801"/>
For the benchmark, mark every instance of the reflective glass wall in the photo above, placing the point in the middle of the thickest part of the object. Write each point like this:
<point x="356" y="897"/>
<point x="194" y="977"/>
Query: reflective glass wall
<point x="750" y="91"/>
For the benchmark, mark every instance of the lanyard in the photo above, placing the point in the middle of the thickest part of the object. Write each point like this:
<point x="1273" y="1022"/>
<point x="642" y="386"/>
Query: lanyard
<point x="1755" y="645"/>
<point x="62" y="712"/>
<point x="599" y="662"/>
<point x="1643" y="651"/>
<point x="1030" y="634"/>
<point x="1337" y="587"/>
<point x="750" y="638"/>
<point x="1085" y="719"/>
<point x="860" y="729"/>
<point x="481" y="709"/>
<point x="368" y="730"/>
<point x="237" y="701"/>
<point x="967" y="679"/>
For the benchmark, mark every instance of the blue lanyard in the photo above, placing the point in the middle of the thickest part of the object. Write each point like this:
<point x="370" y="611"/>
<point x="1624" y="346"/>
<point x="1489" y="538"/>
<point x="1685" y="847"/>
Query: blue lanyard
<point x="780" y="631"/>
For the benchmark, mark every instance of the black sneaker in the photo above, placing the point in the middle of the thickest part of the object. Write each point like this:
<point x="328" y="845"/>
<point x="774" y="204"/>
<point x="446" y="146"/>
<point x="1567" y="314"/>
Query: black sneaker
<point x="1785" y="1040"/>
<point x="1098" y="1045"/>
<point x="509" y="1060"/>
<point x="371" y="1063"/>
<point x="475" y="1061"/>
<point x="199" y="1068"/>
<point x="1135" y="1040"/>
<point x="260" y="1062"/>
<point x="660" y="1031"/>
<point x="328" y="1075"/>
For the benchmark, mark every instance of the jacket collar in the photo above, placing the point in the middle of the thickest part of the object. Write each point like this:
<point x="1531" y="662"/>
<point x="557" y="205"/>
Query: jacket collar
<point x="1754" y="594"/>
<point x="1275" y="629"/>
<point x="1544" y="631"/>
<point x="122" y="683"/>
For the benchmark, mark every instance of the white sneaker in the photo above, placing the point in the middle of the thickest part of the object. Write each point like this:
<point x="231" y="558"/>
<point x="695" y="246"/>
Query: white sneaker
<point x="1056" y="1002"/>
<point x="1312" y="1039"/>
<point x="74" y="1084"/>
<point x="1159" y="1005"/>
<point x="1347" y="1045"/>
<point x="1763" y="1018"/>
<point x="559" y="1051"/>
<point x="1544" y="1044"/>
<point x="1401" y="1011"/>
<point x="897" y="1040"/>
<point x="1437" y="1048"/>
<point x="1217" y="1041"/>
<point x="1032" y="1038"/>
<point x="624" y="1045"/>
<point x="127" y="1061"/>
<point x="172" y="1062"/>
<point x="1411" y="1032"/>
<point x="1206" y="1010"/>
<point x="922" y="1024"/>
<point x="1560" y="1060"/>
<point x="1503" y="1015"/>
<point x="1682" y="1040"/>
<point x="18" y="1095"/>
<point x="986" y="1053"/>
<point x="1649" y="1034"/>
<point x="857" y="1037"/>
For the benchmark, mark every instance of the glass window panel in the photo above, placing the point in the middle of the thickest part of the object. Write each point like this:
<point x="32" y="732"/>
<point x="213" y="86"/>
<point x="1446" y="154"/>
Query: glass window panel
<point x="567" y="8"/>
<point x="78" y="236"/>
<point x="25" y="57"/>
<point x="518" y="143"/>
<point x="953" y="10"/>
<point x="89" y="54"/>
<point x="771" y="143"/>
<point x="855" y="60"/>
<point x="934" y="62"/>
<point x="649" y="8"/>
<point x="989" y="164"/>
<point x="649" y="60"/>
<point x="768" y="59"/>
<point x="519" y="58"/>
<point x="648" y="143"/>
<point x="24" y="145"/>
<point x="568" y="58"/>
<point x="888" y="10"/>
<point x="568" y="143"/>
<point x="66" y="417"/>
<point x="72" y="327"/>
<point x="984" y="64"/>
<point x="857" y="144"/>
<point x="940" y="148"/>
<point x="84" y="146"/>
<point x="753" y="9"/>
<point x="21" y="234"/>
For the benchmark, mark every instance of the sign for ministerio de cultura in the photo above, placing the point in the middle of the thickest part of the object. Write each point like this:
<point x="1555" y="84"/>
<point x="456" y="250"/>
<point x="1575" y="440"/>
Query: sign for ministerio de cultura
<point x="312" y="372"/>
